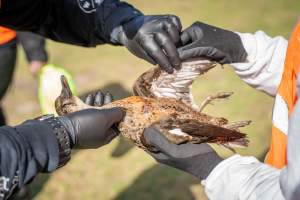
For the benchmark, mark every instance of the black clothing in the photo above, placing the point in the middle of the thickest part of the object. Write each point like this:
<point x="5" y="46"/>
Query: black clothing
<point x="44" y="144"/>
<point x="85" y="23"/>
<point x="25" y="150"/>
<point x="34" y="46"/>
<point x="8" y="55"/>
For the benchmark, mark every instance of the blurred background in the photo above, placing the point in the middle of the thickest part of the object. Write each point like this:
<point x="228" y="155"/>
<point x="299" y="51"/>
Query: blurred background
<point x="120" y="171"/>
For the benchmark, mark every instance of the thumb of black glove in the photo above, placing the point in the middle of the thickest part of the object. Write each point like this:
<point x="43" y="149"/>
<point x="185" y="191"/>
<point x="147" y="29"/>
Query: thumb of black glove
<point x="92" y="128"/>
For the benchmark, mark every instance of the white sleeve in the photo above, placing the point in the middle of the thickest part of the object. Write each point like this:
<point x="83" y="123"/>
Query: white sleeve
<point x="243" y="178"/>
<point x="290" y="178"/>
<point x="265" y="64"/>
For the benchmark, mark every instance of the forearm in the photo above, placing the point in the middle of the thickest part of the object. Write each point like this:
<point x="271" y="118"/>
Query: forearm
<point x="289" y="178"/>
<point x="34" y="46"/>
<point x="67" y="20"/>
<point x="25" y="150"/>
<point x="243" y="178"/>
<point x="265" y="64"/>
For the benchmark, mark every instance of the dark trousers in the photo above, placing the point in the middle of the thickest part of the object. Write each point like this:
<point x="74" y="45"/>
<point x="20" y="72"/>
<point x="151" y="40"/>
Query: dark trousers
<point x="8" y="53"/>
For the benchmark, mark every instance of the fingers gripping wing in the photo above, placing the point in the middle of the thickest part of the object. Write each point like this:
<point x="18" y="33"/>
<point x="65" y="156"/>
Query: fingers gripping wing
<point x="156" y="83"/>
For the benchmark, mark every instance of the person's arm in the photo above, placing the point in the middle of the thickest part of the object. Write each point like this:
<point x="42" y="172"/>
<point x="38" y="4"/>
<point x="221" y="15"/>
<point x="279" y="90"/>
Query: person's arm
<point x="44" y="144"/>
<point x="257" y="58"/>
<point x="290" y="178"/>
<point x="235" y="178"/>
<point x="35" y="50"/>
<point x="265" y="61"/>
<point x="34" y="46"/>
<point x="25" y="150"/>
<point x="93" y="22"/>
<point x="238" y="177"/>
<point x="67" y="21"/>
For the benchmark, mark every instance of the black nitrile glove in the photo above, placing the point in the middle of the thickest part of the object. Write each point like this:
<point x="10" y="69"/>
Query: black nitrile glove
<point x="98" y="99"/>
<point x="203" y="40"/>
<point x="196" y="159"/>
<point x="93" y="128"/>
<point x="153" y="38"/>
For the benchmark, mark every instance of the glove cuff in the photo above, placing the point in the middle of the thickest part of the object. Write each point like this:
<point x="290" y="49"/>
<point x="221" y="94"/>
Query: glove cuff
<point x="204" y="164"/>
<point x="62" y="136"/>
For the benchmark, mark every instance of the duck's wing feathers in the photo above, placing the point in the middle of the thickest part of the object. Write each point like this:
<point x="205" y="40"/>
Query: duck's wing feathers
<point x="178" y="129"/>
<point x="156" y="83"/>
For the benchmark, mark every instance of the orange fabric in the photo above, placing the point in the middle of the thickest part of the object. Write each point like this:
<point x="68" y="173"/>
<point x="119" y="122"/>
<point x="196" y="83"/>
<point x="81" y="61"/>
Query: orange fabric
<point x="288" y="91"/>
<point x="6" y="35"/>
<point x="277" y="153"/>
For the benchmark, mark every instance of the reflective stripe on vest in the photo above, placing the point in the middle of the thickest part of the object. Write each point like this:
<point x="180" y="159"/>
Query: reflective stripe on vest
<point x="6" y="35"/>
<point x="284" y="103"/>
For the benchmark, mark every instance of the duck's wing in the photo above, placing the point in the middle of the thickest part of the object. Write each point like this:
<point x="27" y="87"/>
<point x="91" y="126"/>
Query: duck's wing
<point x="156" y="83"/>
<point x="178" y="130"/>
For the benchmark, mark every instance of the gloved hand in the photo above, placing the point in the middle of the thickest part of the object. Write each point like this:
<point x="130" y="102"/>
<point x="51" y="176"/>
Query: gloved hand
<point x="196" y="159"/>
<point x="203" y="40"/>
<point x="98" y="98"/>
<point x="93" y="128"/>
<point x="154" y="39"/>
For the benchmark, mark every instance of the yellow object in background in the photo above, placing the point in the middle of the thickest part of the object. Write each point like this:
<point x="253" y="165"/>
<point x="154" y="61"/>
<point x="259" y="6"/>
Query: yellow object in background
<point x="50" y="87"/>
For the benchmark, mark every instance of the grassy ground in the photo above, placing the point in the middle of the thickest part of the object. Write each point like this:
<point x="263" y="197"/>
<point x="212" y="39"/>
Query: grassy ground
<point x="120" y="171"/>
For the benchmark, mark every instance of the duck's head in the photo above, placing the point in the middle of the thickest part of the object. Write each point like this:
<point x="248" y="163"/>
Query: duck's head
<point x="66" y="102"/>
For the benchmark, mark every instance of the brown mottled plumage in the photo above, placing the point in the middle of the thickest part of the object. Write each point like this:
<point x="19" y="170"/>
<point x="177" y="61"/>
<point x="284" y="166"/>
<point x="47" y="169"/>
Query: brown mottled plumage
<point x="166" y="103"/>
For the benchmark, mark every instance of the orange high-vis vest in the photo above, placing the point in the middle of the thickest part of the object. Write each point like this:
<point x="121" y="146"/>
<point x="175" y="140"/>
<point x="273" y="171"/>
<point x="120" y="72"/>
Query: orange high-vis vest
<point x="284" y="103"/>
<point x="6" y="35"/>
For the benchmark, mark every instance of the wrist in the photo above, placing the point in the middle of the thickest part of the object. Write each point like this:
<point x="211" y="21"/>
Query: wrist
<point x="66" y="122"/>
<point x="43" y="143"/>
<point x="205" y="164"/>
<point x="62" y="136"/>
<point x="111" y="25"/>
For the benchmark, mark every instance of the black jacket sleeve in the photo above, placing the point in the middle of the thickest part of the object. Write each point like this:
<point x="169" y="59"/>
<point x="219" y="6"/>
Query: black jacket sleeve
<point x="79" y="22"/>
<point x="34" y="46"/>
<point x="25" y="150"/>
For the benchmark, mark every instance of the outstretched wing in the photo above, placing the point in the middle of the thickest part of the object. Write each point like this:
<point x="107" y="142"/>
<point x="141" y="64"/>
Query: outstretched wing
<point x="179" y="129"/>
<point x="156" y="83"/>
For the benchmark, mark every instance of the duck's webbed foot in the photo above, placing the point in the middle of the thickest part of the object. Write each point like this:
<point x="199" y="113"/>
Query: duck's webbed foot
<point x="211" y="98"/>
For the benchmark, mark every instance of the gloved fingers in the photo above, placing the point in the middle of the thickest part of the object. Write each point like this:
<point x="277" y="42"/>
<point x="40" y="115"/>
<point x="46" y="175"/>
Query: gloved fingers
<point x="153" y="49"/>
<point x="190" y="35"/>
<point x="160" y="142"/>
<point x="89" y="100"/>
<point x="98" y="101"/>
<point x="169" y="48"/>
<point x="208" y="52"/>
<point x="185" y="38"/>
<point x="108" y="98"/>
<point x="173" y="32"/>
<point x="112" y="116"/>
<point x="141" y="53"/>
<point x="176" y="21"/>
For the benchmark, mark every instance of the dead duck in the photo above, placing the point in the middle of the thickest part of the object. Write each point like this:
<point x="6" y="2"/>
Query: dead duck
<point x="164" y="101"/>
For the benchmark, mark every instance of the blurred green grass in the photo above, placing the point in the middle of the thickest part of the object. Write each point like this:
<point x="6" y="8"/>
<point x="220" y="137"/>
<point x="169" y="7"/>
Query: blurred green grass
<point x="120" y="171"/>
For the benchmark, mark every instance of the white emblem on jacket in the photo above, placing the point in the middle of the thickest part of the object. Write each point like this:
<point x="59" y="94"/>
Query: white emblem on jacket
<point x="89" y="6"/>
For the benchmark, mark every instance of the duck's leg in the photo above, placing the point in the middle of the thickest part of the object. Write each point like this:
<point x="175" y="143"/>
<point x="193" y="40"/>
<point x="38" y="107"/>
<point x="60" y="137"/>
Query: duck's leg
<point x="210" y="98"/>
<point x="237" y="125"/>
